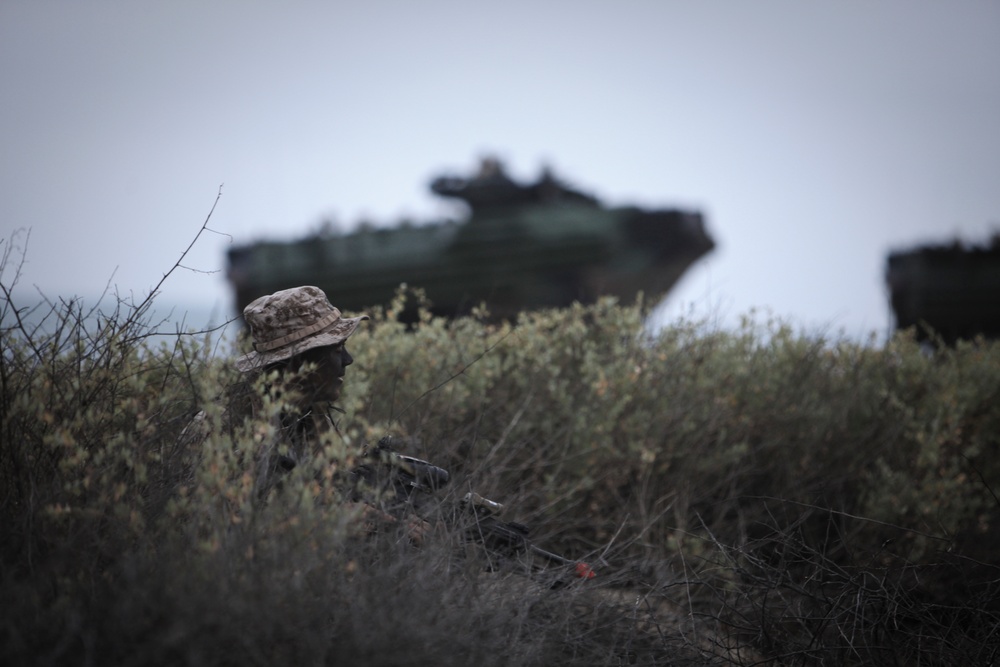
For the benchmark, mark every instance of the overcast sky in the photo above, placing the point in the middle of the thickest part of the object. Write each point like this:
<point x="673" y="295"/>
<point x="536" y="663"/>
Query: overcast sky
<point x="815" y="136"/>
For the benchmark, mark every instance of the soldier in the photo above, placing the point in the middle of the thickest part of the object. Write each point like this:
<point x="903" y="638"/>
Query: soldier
<point x="299" y="334"/>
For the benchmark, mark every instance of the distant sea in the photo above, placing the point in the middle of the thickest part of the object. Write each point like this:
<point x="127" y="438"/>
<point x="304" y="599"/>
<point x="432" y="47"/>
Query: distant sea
<point x="166" y="319"/>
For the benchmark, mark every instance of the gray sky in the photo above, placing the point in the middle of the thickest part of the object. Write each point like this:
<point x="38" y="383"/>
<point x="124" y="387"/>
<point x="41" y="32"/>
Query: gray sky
<point x="815" y="136"/>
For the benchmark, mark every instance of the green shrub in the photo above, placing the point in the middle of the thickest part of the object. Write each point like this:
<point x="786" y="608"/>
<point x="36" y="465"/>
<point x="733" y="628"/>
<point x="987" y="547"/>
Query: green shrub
<point x="743" y="494"/>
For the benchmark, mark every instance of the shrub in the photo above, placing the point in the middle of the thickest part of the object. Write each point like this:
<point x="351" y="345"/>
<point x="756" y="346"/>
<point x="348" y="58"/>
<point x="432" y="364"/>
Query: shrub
<point x="749" y="495"/>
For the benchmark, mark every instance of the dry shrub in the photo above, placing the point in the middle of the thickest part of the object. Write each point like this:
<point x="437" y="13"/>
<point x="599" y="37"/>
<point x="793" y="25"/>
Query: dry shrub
<point x="761" y="494"/>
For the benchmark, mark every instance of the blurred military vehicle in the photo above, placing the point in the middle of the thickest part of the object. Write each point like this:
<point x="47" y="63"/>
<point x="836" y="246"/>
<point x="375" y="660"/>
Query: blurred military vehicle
<point x="522" y="246"/>
<point x="947" y="292"/>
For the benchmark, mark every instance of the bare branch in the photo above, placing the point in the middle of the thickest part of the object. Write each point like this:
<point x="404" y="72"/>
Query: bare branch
<point x="153" y="292"/>
<point x="189" y="268"/>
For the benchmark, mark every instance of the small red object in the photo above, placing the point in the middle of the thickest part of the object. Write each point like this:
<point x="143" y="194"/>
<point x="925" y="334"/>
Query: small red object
<point x="584" y="571"/>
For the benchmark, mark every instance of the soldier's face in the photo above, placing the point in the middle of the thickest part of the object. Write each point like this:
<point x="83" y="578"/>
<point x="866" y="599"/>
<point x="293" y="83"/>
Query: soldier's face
<point x="319" y="372"/>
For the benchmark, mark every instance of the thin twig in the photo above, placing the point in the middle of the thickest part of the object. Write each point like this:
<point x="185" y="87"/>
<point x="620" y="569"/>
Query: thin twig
<point x="853" y="516"/>
<point x="453" y="376"/>
<point x="152" y="293"/>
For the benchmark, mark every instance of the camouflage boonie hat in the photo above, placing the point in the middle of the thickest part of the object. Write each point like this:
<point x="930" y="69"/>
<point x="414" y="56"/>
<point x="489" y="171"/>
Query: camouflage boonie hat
<point x="290" y="322"/>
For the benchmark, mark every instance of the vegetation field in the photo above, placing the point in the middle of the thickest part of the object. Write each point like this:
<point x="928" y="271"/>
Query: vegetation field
<point x="758" y="496"/>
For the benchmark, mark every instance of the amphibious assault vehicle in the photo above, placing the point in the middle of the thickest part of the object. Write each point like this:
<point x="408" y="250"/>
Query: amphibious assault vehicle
<point x="947" y="292"/>
<point x="522" y="246"/>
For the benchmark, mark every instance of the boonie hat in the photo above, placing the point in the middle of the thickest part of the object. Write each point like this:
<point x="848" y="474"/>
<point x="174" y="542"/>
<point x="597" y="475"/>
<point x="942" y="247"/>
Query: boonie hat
<point x="290" y="322"/>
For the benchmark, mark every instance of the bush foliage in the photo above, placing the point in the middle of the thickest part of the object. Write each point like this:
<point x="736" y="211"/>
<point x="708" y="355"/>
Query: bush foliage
<point x="748" y="496"/>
